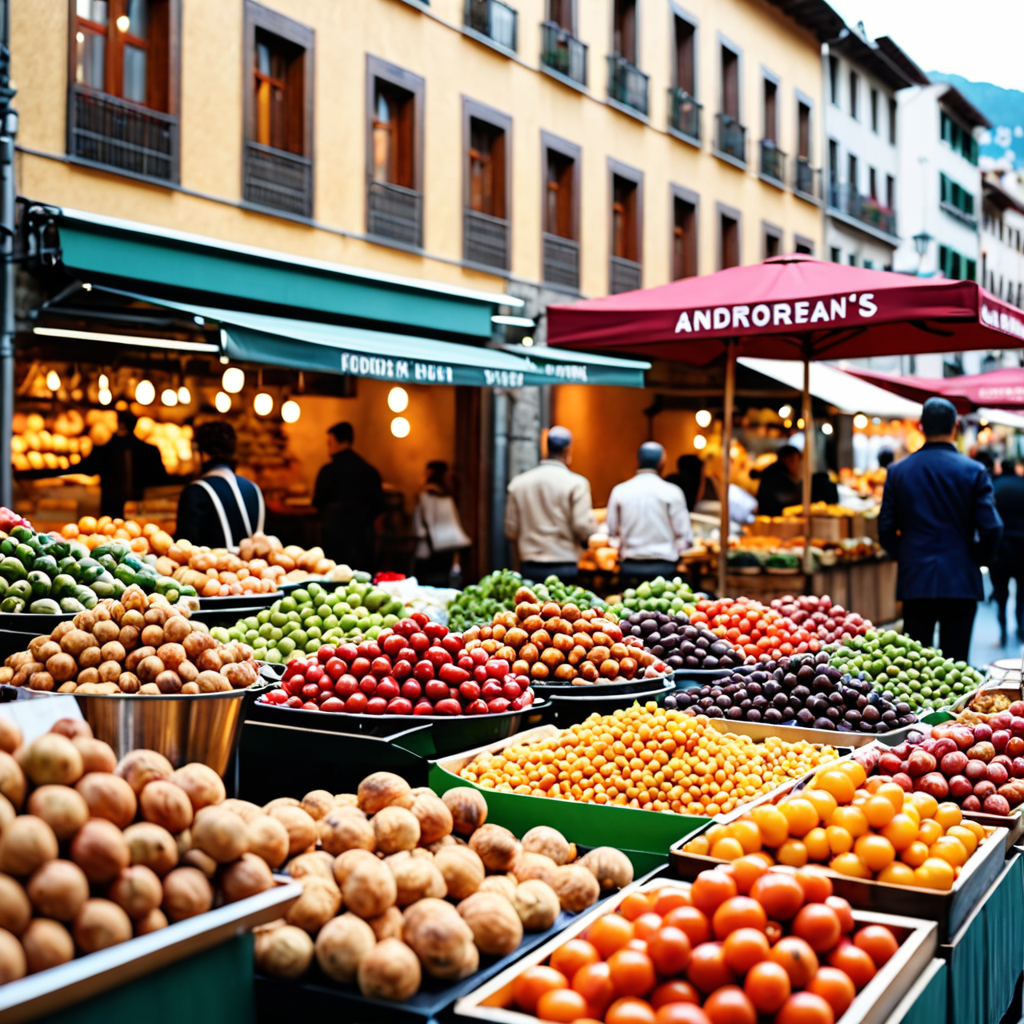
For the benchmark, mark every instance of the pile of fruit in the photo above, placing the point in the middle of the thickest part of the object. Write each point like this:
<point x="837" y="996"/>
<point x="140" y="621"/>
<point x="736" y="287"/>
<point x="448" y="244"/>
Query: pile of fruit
<point x="650" y="758"/>
<point x="139" y="644"/>
<point x="870" y="828"/>
<point x="906" y="670"/>
<point x="658" y="595"/>
<point x="733" y="948"/>
<point x="979" y="767"/>
<point x="94" y="852"/>
<point x="803" y="690"/>
<point x="480" y="602"/>
<point x="681" y="644"/>
<point x="304" y="620"/>
<point x="144" y="538"/>
<point x="428" y="887"/>
<point x="56" y="442"/>
<point x="761" y="633"/>
<point x="548" y="641"/>
<point x="831" y="621"/>
<point x="417" y="668"/>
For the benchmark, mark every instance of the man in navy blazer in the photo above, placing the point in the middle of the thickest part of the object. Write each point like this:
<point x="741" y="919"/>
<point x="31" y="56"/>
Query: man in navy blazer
<point x="939" y="520"/>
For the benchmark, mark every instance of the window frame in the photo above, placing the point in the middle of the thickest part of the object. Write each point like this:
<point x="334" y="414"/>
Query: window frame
<point x="893" y="120"/>
<point x="873" y="109"/>
<point x="473" y="110"/>
<point x="573" y="16"/>
<point x="681" y="194"/>
<point x="803" y="100"/>
<point x="772" y="231"/>
<point x="572" y="152"/>
<point x="834" y="77"/>
<point x="617" y="169"/>
<point x="803" y="240"/>
<point x="770" y="78"/>
<point x="680" y="14"/>
<point x="408" y="81"/>
<point x="854" y="80"/>
<point x="616" y="51"/>
<point x="722" y="210"/>
<point x="725" y="43"/>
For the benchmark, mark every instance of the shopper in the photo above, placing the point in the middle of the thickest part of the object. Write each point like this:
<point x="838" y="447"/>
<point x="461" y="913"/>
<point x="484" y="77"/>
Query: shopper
<point x="781" y="482"/>
<point x="939" y="520"/>
<point x="1009" y="561"/>
<point x="349" y="497"/>
<point x="440" y="538"/>
<point x="691" y="478"/>
<point x="649" y="518"/>
<point x="221" y="508"/>
<point x="549" y="514"/>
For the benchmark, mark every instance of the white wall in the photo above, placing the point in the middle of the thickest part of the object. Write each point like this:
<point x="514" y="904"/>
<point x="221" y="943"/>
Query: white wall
<point x="1002" y="241"/>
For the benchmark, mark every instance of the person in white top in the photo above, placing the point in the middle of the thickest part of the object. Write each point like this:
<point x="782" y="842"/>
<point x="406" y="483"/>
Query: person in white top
<point x="649" y="518"/>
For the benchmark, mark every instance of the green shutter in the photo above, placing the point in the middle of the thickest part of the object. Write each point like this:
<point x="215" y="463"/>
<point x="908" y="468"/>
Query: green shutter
<point x="971" y="270"/>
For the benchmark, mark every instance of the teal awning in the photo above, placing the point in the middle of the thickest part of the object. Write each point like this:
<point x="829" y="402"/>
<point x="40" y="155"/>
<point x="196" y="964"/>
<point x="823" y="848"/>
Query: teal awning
<point x="563" y="366"/>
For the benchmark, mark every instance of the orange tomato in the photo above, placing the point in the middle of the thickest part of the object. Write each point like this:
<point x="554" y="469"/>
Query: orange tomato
<point x="632" y="972"/>
<point x="710" y="889"/>
<point x="797" y="957"/>
<point x="875" y="851"/>
<point x="730" y="1005"/>
<point x="897" y="873"/>
<point x="792" y="853"/>
<point x="780" y="894"/>
<point x="816" y="845"/>
<point x="562" y="1005"/>
<point x="668" y="899"/>
<point x="746" y="871"/>
<point x="949" y="849"/>
<point x="707" y="969"/>
<point x="609" y="933"/>
<point x="915" y="854"/>
<point x="850" y="864"/>
<point x="594" y="983"/>
<point x="691" y="921"/>
<point x="801" y="816"/>
<point x="675" y="991"/>
<point x="965" y="835"/>
<point x="877" y="941"/>
<point x="852" y="819"/>
<point x="529" y="986"/>
<point x="727" y="848"/>
<point x="853" y="961"/>
<point x="681" y="1013"/>
<point x="669" y="949"/>
<point x="805" y="1008"/>
<point x="576" y="953"/>
<point x="855" y="770"/>
<point x="745" y="947"/>
<point x="773" y="824"/>
<point x="818" y="925"/>
<point x="925" y="804"/>
<point x="835" y="987"/>
<point x="935" y="873"/>
<point x="635" y="904"/>
<point x="817" y="886"/>
<point x="837" y="783"/>
<point x="824" y="803"/>
<point x="738" y="912"/>
<point x="839" y="840"/>
<point x="879" y="810"/>
<point x="767" y="986"/>
<point x="843" y="911"/>
<point x="929" y="831"/>
<point x="894" y="793"/>
<point x="630" y="1011"/>
<point x="646" y="925"/>
<point x="748" y="835"/>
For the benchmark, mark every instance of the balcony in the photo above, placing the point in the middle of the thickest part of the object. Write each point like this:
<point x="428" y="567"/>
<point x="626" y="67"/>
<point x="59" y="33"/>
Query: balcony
<point x="110" y="131"/>
<point x="563" y="52"/>
<point x="561" y="261"/>
<point x="626" y="84"/>
<point x="961" y="215"/>
<point x="485" y="239"/>
<point x="493" y="19"/>
<point x="773" y="162"/>
<point x="395" y="212"/>
<point x="865" y="209"/>
<point x="731" y="137"/>
<point x="807" y="180"/>
<point x="278" y="180"/>
<point x="685" y="113"/>
<point x="625" y="275"/>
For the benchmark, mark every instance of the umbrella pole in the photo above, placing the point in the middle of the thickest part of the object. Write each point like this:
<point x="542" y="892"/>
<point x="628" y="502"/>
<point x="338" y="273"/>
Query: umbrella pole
<point x="808" y="460"/>
<point x="730" y="397"/>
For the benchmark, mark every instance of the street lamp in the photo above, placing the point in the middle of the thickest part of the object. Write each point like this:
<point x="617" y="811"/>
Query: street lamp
<point x="921" y="242"/>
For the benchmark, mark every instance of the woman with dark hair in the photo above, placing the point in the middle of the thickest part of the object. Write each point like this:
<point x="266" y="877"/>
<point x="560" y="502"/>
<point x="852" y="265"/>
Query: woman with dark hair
<point x="440" y="538"/>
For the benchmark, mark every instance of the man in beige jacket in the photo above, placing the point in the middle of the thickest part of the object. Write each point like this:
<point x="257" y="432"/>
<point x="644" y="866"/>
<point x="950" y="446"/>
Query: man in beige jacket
<point x="548" y="512"/>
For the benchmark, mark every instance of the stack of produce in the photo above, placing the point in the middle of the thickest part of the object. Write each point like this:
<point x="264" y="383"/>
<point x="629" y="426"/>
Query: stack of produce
<point x="803" y="690"/>
<point x="480" y="602"/>
<point x="57" y="442"/>
<point x="906" y="670"/>
<point x="139" y="644"/>
<point x="870" y="828"/>
<point x="730" y="949"/>
<point x="658" y="595"/>
<point x="646" y="757"/>
<point x="831" y="621"/>
<point x="94" y="852"/>
<point x="417" y="668"/>
<point x="980" y="767"/>
<point x="761" y="633"/>
<point x="551" y="642"/>
<point x="682" y="645"/>
<point x="428" y="887"/>
<point x="309" y="617"/>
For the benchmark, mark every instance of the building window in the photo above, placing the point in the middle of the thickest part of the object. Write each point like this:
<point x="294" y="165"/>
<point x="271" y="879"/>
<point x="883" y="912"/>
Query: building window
<point x="626" y="83"/>
<point x="562" y="13"/>
<point x="124" y="95"/>
<point x="728" y="237"/>
<point x="806" y="175"/>
<point x="495" y="20"/>
<point x="892" y="122"/>
<point x="684" y="234"/>
<point x="772" y="240"/>
<point x="685" y="108"/>
<point x="890" y="192"/>
<point x="394" y="155"/>
<point x="874" y="111"/>
<point x="852" y="260"/>
<point x="956" y="266"/>
<point x="835" y="255"/>
<point x="561" y="212"/>
<point x="771" y="115"/>
<point x="731" y="134"/>
<point x="872" y="183"/>
<point x="560" y="49"/>
<point x="277" y="165"/>
<point x="486" y="218"/>
<point x="833" y="166"/>
<point x="624" y="30"/>
<point x="852" y="174"/>
<point x="804" y="246"/>
<point x="869" y="264"/>
<point x="957" y="200"/>
<point x="833" y="79"/>
<point x="960" y="139"/>
<point x="626" y="215"/>
<point x="854" y="95"/>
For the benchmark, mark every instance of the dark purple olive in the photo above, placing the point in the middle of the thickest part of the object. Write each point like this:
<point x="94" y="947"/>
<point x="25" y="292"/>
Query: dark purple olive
<point x="826" y="723"/>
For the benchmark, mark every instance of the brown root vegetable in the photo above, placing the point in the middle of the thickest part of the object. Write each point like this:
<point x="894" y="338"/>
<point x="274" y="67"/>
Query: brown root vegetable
<point x="462" y="870"/>
<point x="316" y="862"/>
<point x="12" y="780"/>
<point x="108" y="796"/>
<point x="441" y="939"/>
<point x="15" y="908"/>
<point x="551" y="843"/>
<point x="388" y="925"/>
<point x="505" y="884"/>
<point x="58" y="890"/>
<point x="198" y="859"/>
<point x="10" y="735"/>
<point x="221" y="834"/>
<point x="61" y="667"/>
<point x="137" y="891"/>
<point x="391" y="970"/>
<point x="268" y="839"/>
<point x="434" y="817"/>
<point x="281" y="801"/>
<point x="345" y="829"/>
<point x="341" y="946"/>
<point x="317" y="803"/>
<point x="61" y="807"/>
<point x="164" y="803"/>
<point x="99" y="925"/>
<point x="143" y="766"/>
<point x="496" y="846"/>
<point x="46" y="944"/>
<point x="577" y="888"/>
<point x="415" y="878"/>
<point x="536" y="904"/>
<point x="369" y="888"/>
<point x="300" y="826"/>
<point x="611" y="867"/>
<point x="153" y="846"/>
<point x="201" y="783"/>
<point x="283" y="952"/>
<point x="534" y="865"/>
<point x="246" y="877"/>
<point x="187" y="893"/>
<point x="468" y="808"/>
<point x="247" y="811"/>
<point x="101" y="850"/>
<point x="25" y="845"/>
<point x="152" y="922"/>
<point x="497" y="928"/>
<point x="97" y="756"/>
<point x="12" y="958"/>
<point x="396" y="829"/>
<point x="382" y="789"/>
<point x="346" y="862"/>
<point x="319" y="902"/>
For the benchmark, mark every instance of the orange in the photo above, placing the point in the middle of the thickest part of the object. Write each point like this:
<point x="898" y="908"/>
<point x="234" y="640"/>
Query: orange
<point x="835" y="987"/>
<point x="850" y="864"/>
<point x="710" y="889"/>
<point x="948" y="815"/>
<point x="745" y="947"/>
<point x="793" y="853"/>
<point x="879" y="811"/>
<point x="915" y="854"/>
<point x="797" y="957"/>
<point x="894" y="793"/>
<point x="876" y="851"/>
<point x="854" y="961"/>
<point x="950" y="849"/>
<point x="727" y="849"/>
<point x="707" y="969"/>
<point x="748" y="835"/>
<point x="773" y="824"/>
<point x="843" y="911"/>
<point x="838" y="783"/>
<point x="529" y="986"/>
<point x="897" y="873"/>
<point x="609" y="933"/>
<point x="800" y="814"/>
<point x="805" y="1008"/>
<point x="965" y="835"/>
<point x="855" y="770"/>
<point x="901" y="831"/>
<point x="816" y="844"/>
<point x="767" y="986"/>
<point x="818" y="925"/>
<point x="925" y="803"/>
<point x="730" y="1005"/>
<point x="852" y="819"/>
<point x="562" y="1005"/>
<point x="824" y="802"/>
<point x="929" y="831"/>
<point x="877" y="941"/>
<point x="738" y="912"/>
<point x="935" y="873"/>
<point x="632" y="972"/>
<point x="630" y="1011"/>
<point x="780" y="894"/>
<point x="746" y="871"/>
<point x="817" y="886"/>
<point x="839" y="839"/>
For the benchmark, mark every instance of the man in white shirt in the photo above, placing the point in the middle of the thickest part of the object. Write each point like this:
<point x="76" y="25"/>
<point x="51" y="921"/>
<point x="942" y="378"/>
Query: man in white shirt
<point x="649" y="518"/>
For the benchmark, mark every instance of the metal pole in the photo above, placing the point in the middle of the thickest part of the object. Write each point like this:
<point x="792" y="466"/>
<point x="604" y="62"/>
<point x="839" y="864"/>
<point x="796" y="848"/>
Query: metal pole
<point x="8" y="127"/>
<point x="808" y="458"/>
<point x="499" y="480"/>
<point x="730" y="397"/>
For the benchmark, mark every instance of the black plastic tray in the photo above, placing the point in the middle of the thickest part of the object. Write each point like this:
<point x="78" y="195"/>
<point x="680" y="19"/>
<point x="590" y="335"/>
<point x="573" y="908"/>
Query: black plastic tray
<point x="35" y="623"/>
<point x="226" y="617"/>
<point x="612" y="688"/>
<point x="239" y="601"/>
<point x="290" y="585"/>
<point x="12" y="641"/>
<point x="568" y="710"/>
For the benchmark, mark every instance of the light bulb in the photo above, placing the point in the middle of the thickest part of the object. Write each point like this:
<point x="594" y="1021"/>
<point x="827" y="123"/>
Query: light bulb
<point x="263" y="404"/>
<point x="145" y="393"/>
<point x="787" y="423"/>
<point x="169" y="396"/>
<point x="53" y="380"/>
<point x="800" y="423"/>
<point x="103" y="382"/>
<point x="826" y="429"/>
<point x="703" y="418"/>
<point x="398" y="399"/>
<point x="123" y="23"/>
<point x="290" y="411"/>
<point x="860" y="421"/>
<point x="233" y="380"/>
<point x="222" y="402"/>
<point x="700" y="442"/>
<point x="184" y="395"/>
<point x="786" y="412"/>
<point x="105" y="397"/>
<point x="400" y="426"/>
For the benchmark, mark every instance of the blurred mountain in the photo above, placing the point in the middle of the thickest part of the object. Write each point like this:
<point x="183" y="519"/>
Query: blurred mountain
<point x="1003" y="146"/>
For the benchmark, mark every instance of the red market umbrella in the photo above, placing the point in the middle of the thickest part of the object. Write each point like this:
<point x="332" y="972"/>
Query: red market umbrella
<point x="784" y="308"/>
<point x="997" y="389"/>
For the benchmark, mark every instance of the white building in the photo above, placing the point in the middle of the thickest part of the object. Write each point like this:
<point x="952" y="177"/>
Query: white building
<point x="863" y="188"/>
<point x="1002" y="237"/>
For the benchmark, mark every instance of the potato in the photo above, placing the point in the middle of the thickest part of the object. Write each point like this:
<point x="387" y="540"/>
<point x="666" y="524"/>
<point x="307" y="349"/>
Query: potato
<point x="247" y="811"/>
<point x="391" y="970"/>
<point x="10" y="735"/>
<point x="152" y="845"/>
<point x="97" y="756"/>
<point x="341" y="946"/>
<point x="346" y="862"/>
<point x="15" y="908"/>
<point x="415" y="878"/>
<point x="611" y="867"/>
<point x="99" y="925"/>
<point x="12" y="780"/>
<point x="369" y="888"/>
<point x="268" y="839"/>
<point x="550" y="842"/>
<point x="281" y="801"/>
<point x="221" y="834"/>
<point x="143" y="766"/>
<point x="315" y="862"/>
<point x="346" y="829"/>
<point x="388" y="925"/>
<point x="108" y="796"/>
<point x="395" y="829"/>
<point x="12" y="958"/>
<point x="247" y="876"/>
<point x="434" y="817"/>
<point x="137" y="891"/>
<point x="497" y="929"/>
<point x="7" y="812"/>
<point x="62" y="667"/>
<point x="468" y="808"/>
<point x="317" y="803"/>
<point x="25" y="845"/>
<point x="577" y="888"/>
<point x="319" y="902"/>
<point x="75" y="641"/>
<point x="58" y="889"/>
<point x="283" y="952"/>
<point x="61" y="807"/>
<point x="101" y="850"/>
<point x="300" y="826"/>
<point x="186" y="894"/>
<point x="534" y="865"/>
<point x="198" y="859"/>
<point x="201" y="783"/>
<point x="462" y="870"/>
<point x="496" y="847"/>
<point x="381" y="789"/>
<point x="152" y="922"/>
<point x="164" y="803"/>
<point x="46" y="944"/>
<point x="441" y="939"/>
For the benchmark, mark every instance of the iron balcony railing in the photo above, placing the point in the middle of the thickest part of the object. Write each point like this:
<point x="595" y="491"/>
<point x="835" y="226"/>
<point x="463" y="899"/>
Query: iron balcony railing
<point x="625" y="275"/>
<point x="561" y="51"/>
<point x="486" y="239"/>
<point x="807" y="179"/>
<point x="278" y="179"/>
<point x="493" y="19"/>
<point x="395" y="212"/>
<point x="110" y="131"/>
<point x="863" y="208"/>
<point x="561" y="261"/>
<point x="626" y="84"/>
<point x="685" y="112"/>
<point x="731" y="137"/>
<point x="773" y="161"/>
